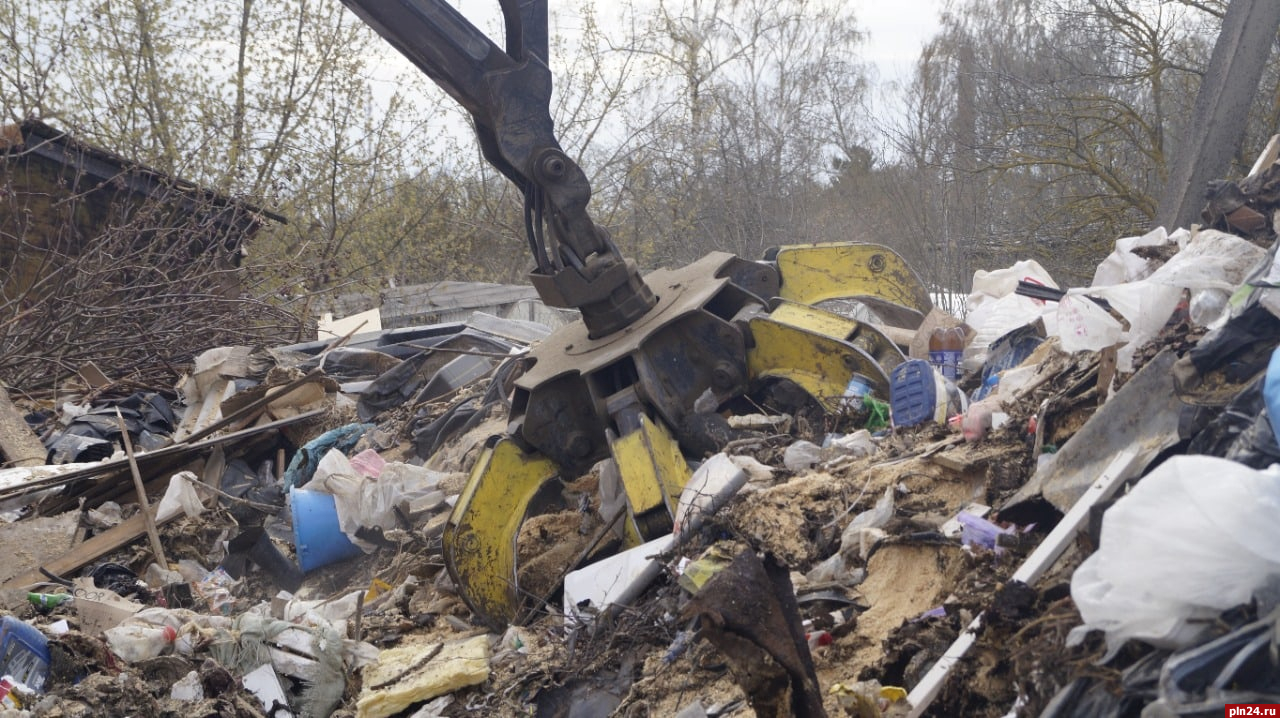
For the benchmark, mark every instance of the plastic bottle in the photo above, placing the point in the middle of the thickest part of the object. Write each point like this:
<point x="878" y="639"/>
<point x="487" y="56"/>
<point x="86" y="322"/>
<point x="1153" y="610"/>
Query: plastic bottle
<point x="859" y="386"/>
<point x="1208" y="306"/>
<point x="952" y="343"/>
<point x="24" y="653"/>
<point x="936" y="357"/>
<point x="135" y="642"/>
<point x="44" y="602"/>
<point x="946" y="346"/>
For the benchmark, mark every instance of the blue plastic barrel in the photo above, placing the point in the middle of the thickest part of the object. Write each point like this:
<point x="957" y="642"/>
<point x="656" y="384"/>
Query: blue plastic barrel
<point x="24" y="653"/>
<point x="1271" y="392"/>
<point x="317" y="537"/>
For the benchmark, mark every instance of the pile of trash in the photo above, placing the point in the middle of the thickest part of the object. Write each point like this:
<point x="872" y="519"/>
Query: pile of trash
<point x="1064" y="506"/>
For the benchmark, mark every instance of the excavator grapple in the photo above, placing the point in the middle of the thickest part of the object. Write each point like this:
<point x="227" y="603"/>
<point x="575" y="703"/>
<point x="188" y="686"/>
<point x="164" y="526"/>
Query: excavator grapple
<point x="626" y="382"/>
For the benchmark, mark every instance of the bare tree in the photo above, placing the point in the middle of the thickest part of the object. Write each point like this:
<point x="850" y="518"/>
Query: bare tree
<point x="1042" y="127"/>
<point x="94" y="271"/>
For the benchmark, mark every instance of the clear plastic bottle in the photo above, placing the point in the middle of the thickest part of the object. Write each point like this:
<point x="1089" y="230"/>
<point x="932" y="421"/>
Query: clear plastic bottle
<point x="1208" y="306"/>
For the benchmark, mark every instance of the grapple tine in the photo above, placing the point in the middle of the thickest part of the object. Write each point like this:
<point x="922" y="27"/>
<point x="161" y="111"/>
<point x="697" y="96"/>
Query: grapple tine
<point x="480" y="537"/>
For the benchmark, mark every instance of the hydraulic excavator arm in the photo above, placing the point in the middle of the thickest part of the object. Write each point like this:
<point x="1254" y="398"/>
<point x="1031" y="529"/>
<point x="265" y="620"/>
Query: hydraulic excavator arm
<point x="508" y="93"/>
<point x="621" y="384"/>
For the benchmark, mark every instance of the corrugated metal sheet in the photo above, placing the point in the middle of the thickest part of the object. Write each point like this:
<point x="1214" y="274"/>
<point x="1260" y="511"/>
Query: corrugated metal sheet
<point x="435" y="303"/>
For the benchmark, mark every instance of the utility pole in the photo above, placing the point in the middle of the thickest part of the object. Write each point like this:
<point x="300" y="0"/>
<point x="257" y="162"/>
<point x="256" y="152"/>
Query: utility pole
<point x="1221" y="110"/>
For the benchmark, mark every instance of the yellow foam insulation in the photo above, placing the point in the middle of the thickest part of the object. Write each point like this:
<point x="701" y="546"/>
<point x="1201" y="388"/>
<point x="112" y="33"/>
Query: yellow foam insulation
<point x="401" y="678"/>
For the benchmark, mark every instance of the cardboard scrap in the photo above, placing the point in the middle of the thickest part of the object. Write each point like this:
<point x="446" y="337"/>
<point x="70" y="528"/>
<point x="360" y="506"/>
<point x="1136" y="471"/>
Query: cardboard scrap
<point x="100" y="608"/>
<point x="457" y="664"/>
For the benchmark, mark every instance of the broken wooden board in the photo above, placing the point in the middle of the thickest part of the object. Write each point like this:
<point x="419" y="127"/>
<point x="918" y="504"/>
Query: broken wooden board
<point x="152" y="462"/>
<point x="968" y="456"/>
<point x="1268" y="156"/>
<point x="92" y="549"/>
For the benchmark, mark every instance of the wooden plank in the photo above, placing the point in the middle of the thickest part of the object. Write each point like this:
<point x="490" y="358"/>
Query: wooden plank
<point x="123" y="534"/>
<point x="1106" y="372"/>
<point x="157" y="549"/>
<point x="952" y="463"/>
<point x="93" y="376"/>
<point x="1268" y="156"/>
<point x="182" y="453"/>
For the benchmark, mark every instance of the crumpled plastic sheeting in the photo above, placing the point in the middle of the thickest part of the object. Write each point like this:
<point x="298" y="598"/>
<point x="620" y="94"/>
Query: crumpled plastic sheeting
<point x="1123" y="265"/>
<point x="1210" y="260"/>
<point x="335" y="476"/>
<point x="362" y="501"/>
<point x="995" y="309"/>
<point x="246" y="646"/>
<point x="181" y="496"/>
<point x="1196" y="536"/>
<point x="304" y="463"/>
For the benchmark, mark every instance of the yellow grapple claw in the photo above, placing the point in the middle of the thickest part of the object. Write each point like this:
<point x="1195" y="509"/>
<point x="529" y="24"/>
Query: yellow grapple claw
<point x="869" y="273"/>
<point x="653" y="473"/>
<point x="480" y="537"/>
<point x="821" y="365"/>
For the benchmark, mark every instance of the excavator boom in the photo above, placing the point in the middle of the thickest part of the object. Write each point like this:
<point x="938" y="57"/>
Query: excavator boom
<point x="508" y="94"/>
<point x="618" y="389"/>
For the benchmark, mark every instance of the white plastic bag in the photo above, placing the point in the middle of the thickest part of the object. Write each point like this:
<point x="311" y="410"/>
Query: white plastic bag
<point x="181" y="495"/>
<point x="995" y="310"/>
<point x="1210" y="260"/>
<point x="1122" y="265"/>
<point x="801" y="456"/>
<point x="853" y="539"/>
<point x="396" y="482"/>
<point x="335" y="475"/>
<point x="1197" y="536"/>
<point x="362" y="501"/>
<point x="1085" y="326"/>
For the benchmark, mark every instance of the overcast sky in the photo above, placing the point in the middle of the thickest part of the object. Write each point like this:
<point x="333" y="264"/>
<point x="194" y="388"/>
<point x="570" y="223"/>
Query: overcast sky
<point x="897" y="30"/>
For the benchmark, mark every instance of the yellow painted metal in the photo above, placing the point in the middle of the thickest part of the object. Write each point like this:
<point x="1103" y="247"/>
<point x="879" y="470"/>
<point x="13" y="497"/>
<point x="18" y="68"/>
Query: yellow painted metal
<point x="860" y="334"/>
<point x="814" y="319"/>
<point x="812" y="273"/>
<point x="653" y="473"/>
<point x="821" y="365"/>
<point x="480" y="537"/>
